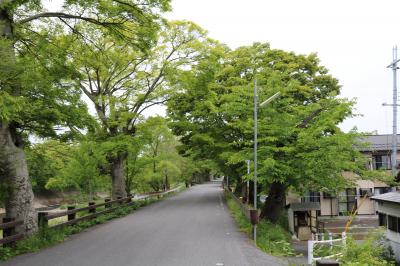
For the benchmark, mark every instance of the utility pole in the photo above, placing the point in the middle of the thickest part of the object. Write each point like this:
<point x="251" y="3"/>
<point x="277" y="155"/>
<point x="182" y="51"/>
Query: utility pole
<point x="248" y="183"/>
<point x="394" y="67"/>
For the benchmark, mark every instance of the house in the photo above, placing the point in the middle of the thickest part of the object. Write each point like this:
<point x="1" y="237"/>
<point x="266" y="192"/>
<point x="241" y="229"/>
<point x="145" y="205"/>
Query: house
<point x="377" y="152"/>
<point x="389" y="217"/>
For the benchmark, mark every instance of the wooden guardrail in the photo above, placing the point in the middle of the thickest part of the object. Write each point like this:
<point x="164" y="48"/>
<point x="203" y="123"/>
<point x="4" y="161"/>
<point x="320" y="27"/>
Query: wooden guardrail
<point x="245" y="209"/>
<point x="9" y="225"/>
<point x="109" y="206"/>
<point x="9" y="235"/>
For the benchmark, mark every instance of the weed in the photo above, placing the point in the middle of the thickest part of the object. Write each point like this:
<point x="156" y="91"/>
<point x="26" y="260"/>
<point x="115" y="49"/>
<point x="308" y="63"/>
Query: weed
<point x="271" y="238"/>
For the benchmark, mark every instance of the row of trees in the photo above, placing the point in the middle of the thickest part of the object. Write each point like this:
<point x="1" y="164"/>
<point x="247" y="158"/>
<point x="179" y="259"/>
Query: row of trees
<point x="300" y="144"/>
<point x="84" y="76"/>
<point x="152" y="163"/>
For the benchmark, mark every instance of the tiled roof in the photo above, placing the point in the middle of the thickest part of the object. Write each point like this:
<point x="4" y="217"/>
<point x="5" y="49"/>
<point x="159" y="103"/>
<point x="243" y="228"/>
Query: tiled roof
<point x="390" y="197"/>
<point x="379" y="143"/>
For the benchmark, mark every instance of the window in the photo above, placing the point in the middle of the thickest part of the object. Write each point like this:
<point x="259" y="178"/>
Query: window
<point x="311" y="197"/>
<point x="382" y="190"/>
<point x="365" y="191"/>
<point x="347" y="201"/>
<point x="382" y="219"/>
<point x="381" y="162"/>
<point x="314" y="196"/>
<point x="393" y="223"/>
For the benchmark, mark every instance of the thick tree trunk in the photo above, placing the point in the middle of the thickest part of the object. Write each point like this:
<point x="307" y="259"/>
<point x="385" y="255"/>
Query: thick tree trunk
<point x="274" y="203"/>
<point x="14" y="175"/>
<point x="13" y="167"/>
<point x="118" y="175"/>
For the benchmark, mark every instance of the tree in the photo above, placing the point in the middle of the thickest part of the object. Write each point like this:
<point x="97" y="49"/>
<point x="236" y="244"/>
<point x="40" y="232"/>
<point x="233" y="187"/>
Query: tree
<point x="82" y="171"/>
<point x="45" y="161"/>
<point x="193" y="110"/>
<point x="300" y="145"/>
<point x="122" y="81"/>
<point x="159" y="150"/>
<point x="35" y="100"/>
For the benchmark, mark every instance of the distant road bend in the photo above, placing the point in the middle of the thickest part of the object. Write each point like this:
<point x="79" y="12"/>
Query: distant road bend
<point x="193" y="228"/>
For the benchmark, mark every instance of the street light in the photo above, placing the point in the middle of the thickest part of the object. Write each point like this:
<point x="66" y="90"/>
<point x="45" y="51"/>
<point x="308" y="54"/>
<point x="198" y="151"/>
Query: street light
<point x="263" y="104"/>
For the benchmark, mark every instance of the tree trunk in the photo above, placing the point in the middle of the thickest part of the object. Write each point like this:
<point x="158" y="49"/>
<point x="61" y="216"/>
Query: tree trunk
<point x="14" y="175"/>
<point x="118" y="175"/>
<point x="166" y="183"/>
<point x="13" y="166"/>
<point x="274" y="203"/>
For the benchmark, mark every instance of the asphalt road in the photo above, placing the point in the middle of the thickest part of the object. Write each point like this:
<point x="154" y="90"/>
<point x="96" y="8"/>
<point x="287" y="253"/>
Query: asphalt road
<point x="191" y="228"/>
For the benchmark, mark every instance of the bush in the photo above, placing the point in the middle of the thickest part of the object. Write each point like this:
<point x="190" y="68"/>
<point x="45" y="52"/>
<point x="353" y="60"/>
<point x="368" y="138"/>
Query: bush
<point x="374" y="251"/>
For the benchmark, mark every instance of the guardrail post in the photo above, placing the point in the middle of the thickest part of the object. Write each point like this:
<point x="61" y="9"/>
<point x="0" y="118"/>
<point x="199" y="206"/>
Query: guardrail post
<point x="8" y="232"/>
<point x="71" y="216"/>
<point x="92" y="207"/>
<point x="330" y="241"/>
<point x="107" y="205"/>
<point x="310" y="247"/>
<point x="43" y="222"/>
<point x="344" y="238"/>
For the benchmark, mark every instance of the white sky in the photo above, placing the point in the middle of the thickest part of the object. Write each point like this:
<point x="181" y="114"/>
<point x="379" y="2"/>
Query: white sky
<point x="353" y="38"/>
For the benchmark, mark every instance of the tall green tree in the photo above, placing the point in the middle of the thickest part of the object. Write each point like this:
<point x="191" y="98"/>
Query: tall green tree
<point x="300" y="144"/>
<point x="159" y="150"/>
<point x="34" y="98"/>
<point x="122" y="81"/>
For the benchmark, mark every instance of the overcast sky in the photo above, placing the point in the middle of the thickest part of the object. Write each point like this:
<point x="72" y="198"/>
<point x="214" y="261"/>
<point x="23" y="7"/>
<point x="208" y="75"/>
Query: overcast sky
<point x="353" y="38"/>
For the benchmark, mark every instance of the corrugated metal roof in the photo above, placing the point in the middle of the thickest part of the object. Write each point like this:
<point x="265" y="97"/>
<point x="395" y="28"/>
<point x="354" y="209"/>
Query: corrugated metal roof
<point x="379" y="143"/>
<point x="305" y="206"/>
<point x="390" y="197"/>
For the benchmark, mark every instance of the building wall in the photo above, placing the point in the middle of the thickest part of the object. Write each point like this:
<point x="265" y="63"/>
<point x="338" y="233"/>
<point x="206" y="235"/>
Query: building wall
<point x="291" y="220"/>
<point x="329" y="206"/>
<point x="392" y="209"/>
<point x="365" y="206"/>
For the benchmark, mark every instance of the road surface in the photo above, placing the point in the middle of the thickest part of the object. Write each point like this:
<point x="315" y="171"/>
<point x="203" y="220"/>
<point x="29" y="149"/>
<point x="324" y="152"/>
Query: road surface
<point x="193" y="228"/>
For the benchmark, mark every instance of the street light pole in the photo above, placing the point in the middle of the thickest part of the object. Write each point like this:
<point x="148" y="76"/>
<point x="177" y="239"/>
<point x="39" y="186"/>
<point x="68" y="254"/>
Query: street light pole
<point x="255" y="159"/>
<point x="263" y="104"/>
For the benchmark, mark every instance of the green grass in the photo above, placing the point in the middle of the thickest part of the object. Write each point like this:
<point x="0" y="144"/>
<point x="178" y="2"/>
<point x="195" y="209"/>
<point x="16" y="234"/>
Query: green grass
<point x="271" y="238"/>
<point x="49" y="236"/>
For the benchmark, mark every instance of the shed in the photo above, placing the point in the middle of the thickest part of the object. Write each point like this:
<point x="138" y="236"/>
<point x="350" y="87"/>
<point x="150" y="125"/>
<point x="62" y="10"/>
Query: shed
<point x="303" y="219"/>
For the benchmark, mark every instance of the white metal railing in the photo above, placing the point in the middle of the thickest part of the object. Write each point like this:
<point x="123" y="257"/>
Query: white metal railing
<point x="331" y="242"/>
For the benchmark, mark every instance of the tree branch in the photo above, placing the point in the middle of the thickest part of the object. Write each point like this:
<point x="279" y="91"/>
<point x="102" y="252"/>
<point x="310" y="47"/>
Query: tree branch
<point x="66" y="16"/>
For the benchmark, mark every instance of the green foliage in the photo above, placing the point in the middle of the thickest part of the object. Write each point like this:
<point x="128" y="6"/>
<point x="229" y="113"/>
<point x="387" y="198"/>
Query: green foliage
<point x="156" y="164"/>
<point x="82" y="171"/>
<point x="271" y="238"/>
<point x="45" y="161"/>
<point x="374" y="251"/>
<point x="300" y="143"/>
